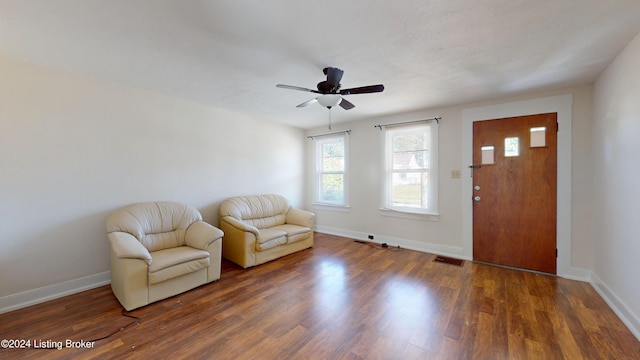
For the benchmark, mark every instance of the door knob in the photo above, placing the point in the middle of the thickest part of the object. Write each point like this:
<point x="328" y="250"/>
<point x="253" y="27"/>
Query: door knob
<point x="476" y="198"/>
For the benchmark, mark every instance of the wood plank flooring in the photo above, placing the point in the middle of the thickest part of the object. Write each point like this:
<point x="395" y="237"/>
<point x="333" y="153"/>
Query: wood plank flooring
<point x="339" y="300"/>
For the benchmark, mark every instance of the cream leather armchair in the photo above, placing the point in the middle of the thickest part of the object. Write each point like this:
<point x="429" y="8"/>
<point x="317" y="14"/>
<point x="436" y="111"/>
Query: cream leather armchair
<point x="262" y="228"/>
<point x="160" y="249"/>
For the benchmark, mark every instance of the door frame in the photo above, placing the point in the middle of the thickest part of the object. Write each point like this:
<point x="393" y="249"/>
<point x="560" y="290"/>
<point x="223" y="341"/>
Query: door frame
<point x="561" y="105"/>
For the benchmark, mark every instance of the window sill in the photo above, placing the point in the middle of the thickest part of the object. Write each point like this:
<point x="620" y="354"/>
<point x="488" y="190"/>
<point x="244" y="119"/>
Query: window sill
<point x="330" y="207"/>
<point x="409" y="215"/>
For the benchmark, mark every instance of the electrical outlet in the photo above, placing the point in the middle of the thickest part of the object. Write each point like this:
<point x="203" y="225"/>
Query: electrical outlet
<point x="455" y="174"/>
<point x="370" y="237"/>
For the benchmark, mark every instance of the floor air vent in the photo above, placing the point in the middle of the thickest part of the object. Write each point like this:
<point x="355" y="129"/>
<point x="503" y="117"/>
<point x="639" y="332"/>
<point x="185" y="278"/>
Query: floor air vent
<point x="448" y="260"/>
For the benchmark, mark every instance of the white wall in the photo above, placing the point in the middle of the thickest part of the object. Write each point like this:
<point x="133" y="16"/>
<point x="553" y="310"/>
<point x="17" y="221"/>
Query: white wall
<point x="73" y="149"/>
<point x="616" y="183"/>
<point x="445" y="236"/>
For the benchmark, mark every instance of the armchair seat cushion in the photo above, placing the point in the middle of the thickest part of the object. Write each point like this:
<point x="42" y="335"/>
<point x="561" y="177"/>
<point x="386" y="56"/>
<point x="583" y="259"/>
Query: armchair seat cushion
<point x="170" y="263"/>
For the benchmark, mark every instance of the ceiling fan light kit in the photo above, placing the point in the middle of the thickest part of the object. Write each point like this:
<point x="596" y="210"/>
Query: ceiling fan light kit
<point x="329" y="101"/>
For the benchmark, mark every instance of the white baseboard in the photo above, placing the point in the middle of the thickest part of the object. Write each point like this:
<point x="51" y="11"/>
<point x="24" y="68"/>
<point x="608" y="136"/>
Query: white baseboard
<point x="427" y="247"/>
<point x="631" y="320"/>
<point x="578" y="274"/>
<point x="54" y="291"/>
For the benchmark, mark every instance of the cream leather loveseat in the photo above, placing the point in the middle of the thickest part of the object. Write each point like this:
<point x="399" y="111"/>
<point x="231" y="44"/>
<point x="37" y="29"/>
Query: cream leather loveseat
<point x="160" y="249"/>
<point x="262" y="228"/>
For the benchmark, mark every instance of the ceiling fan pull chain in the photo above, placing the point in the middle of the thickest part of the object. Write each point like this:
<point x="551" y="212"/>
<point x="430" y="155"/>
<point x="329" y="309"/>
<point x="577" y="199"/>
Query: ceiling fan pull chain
<point x="329" y="118"/>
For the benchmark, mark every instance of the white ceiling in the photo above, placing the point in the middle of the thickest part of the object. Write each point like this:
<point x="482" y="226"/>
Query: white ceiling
<point x="231" y="54"/>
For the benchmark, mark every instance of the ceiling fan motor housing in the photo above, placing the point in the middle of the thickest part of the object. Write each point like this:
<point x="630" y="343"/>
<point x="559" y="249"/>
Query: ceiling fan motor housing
<point x="326" y="88"/>
<point x="332" y="84"/>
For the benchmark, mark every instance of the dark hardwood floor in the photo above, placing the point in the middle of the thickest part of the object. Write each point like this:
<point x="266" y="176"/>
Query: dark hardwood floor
<point x="340" y="300"/>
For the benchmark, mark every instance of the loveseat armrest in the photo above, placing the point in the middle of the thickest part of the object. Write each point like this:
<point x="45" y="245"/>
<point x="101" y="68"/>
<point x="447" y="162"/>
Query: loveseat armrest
<point x="200" y="235"/>
<point x="241" y="225"/>
<point x="126" y="246"/>
<point x="300" y="217"/>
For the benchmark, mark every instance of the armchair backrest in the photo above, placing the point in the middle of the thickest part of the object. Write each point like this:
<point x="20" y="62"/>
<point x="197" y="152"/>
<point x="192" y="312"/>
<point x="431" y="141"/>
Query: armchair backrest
<point x="157" y="225"/>
<point x="261" y="211"/>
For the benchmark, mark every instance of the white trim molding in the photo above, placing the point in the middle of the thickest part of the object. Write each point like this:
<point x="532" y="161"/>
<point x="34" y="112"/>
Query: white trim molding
<point x="631" y="320"/>
<point x="53" y="291"/>
<point x="425" y="247"/>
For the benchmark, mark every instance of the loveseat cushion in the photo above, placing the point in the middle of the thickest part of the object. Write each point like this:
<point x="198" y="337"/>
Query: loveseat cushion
<point x="294" y="232"/>
<point x="170" y="263"/>
<point x="270" y="238"/>
<point x="261" y="211"/>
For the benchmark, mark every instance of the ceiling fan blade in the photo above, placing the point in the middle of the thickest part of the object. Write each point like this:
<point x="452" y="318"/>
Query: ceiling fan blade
<point x="334" y="75"/>
<point x="346" y="104"/>
<point x="308" y="102"/>
<point x="291" y="87"/>
<point x="363" y="90"/>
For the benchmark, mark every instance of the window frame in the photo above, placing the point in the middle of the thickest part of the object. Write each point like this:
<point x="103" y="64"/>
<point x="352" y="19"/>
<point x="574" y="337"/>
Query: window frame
<point x="387" y="207"/>
<point x="318" y="176"/>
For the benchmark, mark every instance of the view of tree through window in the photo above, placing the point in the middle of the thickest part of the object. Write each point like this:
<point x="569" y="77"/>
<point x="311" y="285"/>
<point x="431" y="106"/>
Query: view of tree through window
<point x="408" y="166"/>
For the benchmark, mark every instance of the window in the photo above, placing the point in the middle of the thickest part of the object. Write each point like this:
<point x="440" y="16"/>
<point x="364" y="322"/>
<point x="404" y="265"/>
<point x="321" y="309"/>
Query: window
<point x="511" y="146"/>
<point x="411" y="168"/>
<point x="537" y="137"/>
<point x="331" y="170"/>
<point x="488" y="155"/>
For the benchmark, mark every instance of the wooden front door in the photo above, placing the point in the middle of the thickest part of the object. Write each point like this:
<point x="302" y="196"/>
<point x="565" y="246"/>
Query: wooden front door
<point x="514" y="190"/>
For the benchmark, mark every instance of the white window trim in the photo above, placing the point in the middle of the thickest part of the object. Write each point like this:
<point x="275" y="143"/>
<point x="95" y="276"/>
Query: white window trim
<point x="411" y="213"/>
<point x="329" y="205"/>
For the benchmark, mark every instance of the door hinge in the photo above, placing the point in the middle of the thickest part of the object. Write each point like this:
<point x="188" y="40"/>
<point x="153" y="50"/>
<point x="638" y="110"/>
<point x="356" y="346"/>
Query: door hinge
<point x="556" y="252"/>
<point x="557" y="126"/>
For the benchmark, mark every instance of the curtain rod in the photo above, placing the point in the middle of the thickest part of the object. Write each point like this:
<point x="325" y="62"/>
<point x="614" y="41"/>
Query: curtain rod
<point x="333" y="133"/>
<point x="436" y="119"/>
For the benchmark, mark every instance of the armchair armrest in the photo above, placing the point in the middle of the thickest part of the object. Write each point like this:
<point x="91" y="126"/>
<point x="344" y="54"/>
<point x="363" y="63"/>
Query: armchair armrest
<point x="240" y="225"/>
<point x="200" y="235"/>
<point x="126" y="246"/>
<point x="300" y="217"/>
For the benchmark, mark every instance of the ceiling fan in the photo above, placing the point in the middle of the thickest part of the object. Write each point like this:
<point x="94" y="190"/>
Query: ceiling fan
<point x="330" y="92"/>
